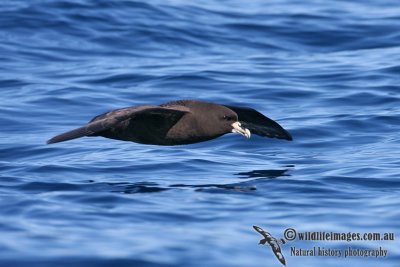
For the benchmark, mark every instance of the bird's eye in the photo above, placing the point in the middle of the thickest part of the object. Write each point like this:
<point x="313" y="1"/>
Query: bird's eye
<point x="228" y="118"/>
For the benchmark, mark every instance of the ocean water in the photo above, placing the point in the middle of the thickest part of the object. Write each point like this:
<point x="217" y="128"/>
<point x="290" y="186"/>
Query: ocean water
<point x="327" y="71"/>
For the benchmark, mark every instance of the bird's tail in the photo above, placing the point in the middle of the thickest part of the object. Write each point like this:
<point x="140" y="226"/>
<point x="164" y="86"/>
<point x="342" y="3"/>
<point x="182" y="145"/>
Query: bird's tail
<point x="76" y="133"/>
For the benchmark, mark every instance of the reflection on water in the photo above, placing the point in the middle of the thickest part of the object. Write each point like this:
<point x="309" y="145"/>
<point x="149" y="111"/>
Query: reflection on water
<point x="263" y="173"/>
<point x="215" y="188"/>
<point x="134" y="188"/>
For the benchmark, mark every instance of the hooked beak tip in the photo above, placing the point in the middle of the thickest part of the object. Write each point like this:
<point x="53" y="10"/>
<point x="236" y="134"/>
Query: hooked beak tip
<point x="237" y="128"/>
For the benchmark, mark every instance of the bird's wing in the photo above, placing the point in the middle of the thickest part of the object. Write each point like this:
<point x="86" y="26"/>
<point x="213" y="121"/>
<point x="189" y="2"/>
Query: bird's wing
<point x="265" y="234"/>
<point x="111" y="119"/>
<point x="259" y="124"/>
<point x="125" y="113"/>
<point x="262" y="232"/>
<point x="276" y="249"/>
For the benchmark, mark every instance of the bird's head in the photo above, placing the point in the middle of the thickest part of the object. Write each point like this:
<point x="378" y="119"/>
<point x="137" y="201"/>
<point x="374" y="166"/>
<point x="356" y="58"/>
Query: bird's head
<point x="262" y="241"/>
<point x="230" y="121"/>
<point x="216" y="120"/>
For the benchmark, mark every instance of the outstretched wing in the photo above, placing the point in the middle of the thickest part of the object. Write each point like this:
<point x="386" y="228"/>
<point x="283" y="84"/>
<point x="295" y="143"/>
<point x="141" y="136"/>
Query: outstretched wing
<point x="276" y="249"/>
<point x="259" y="124"/>
<point x="262" y="232"/>
<point x="273" y="242"/>
<point x="114" y="118"/>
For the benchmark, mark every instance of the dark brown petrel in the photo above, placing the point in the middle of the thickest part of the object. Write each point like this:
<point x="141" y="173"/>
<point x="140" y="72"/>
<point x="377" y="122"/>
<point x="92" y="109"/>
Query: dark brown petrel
<point x="176" y="123"/>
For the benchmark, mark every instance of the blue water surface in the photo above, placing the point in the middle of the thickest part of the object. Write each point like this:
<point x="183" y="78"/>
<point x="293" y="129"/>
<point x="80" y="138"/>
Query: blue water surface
<point x="328" y="71"/>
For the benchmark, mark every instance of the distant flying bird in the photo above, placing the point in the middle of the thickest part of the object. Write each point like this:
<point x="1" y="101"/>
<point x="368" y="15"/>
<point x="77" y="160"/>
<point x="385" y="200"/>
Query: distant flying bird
<point x="176" y="123"/>
<point x="273" y="242"/>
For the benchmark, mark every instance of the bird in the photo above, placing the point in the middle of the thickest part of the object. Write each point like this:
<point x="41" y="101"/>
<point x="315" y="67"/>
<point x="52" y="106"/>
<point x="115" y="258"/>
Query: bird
<point x="273" y="242"/>
<point x="178" y="122"/>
